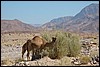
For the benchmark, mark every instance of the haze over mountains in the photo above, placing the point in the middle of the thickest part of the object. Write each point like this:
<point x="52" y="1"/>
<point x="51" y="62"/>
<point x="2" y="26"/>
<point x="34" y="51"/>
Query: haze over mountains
<point x="87" y="20"/>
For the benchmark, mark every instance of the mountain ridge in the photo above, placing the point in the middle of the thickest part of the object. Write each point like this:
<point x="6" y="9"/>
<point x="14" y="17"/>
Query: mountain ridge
<point x="15" y="25"/>
<point x="87" y="20"/>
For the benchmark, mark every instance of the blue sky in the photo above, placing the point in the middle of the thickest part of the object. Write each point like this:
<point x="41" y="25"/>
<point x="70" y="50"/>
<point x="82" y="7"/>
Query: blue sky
<point x="40" y="12"/>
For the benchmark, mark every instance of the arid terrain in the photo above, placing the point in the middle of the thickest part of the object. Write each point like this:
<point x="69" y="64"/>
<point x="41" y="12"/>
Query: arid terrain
<point x="76" y="44"/>
<point x="11" y="44"/>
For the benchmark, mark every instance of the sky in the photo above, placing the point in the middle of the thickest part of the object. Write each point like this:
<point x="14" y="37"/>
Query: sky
<point x="40" y="12"/>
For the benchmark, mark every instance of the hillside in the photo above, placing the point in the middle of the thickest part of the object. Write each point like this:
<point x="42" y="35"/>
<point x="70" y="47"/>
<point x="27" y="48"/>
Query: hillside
<point x="15" y="25"/>
<point x="56" y="22"/>
<point x="87" y="20"/>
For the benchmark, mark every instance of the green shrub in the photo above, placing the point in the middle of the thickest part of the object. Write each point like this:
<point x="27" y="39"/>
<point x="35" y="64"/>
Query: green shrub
<point x="61" y="44"/>
<point x="48" y="51"/>
<point x="73" y="45"/>
<point x="84" y="59"/>
<point x="66" y="44"/>
<point x="46" y="36"/>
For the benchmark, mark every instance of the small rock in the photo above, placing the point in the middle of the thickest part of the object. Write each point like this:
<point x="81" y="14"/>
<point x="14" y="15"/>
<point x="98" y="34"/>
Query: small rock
<point x="94" y="62"/>
<point x="27" y="63"/>
<point x="22" y="62"/>
<point x="3" y="65"/>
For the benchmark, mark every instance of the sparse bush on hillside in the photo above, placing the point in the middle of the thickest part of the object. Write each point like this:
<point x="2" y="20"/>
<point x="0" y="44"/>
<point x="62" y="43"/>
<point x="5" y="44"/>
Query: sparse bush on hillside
<point x="66" y="44"/>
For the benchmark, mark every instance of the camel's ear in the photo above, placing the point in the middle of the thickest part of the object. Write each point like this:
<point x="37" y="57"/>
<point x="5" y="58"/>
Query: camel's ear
<point x="55" y="36"/>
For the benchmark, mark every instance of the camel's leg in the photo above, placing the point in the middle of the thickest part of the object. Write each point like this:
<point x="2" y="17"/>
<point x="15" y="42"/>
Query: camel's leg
<point x="36" y="52"/>
<point x="41" y="53"/>
<point x="28" y="58"/>
<point x="33" y="54"/>
<point x="23" y="51"/>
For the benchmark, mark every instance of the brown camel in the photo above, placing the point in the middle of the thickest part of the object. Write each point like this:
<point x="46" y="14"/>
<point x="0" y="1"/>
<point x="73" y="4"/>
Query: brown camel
<point x="33" y="44"/>
<point x="27" y="46"/>
<point x="36" y="44"/>
<point x="48" y="44"/>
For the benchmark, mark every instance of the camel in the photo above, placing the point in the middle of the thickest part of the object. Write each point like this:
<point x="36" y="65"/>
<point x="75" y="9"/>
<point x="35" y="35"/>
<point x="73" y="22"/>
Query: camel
<point x="27" y="46"/>
<point x="36" y="44"/>
<point x="33" y="44"/>
<point x="47" y="44"/>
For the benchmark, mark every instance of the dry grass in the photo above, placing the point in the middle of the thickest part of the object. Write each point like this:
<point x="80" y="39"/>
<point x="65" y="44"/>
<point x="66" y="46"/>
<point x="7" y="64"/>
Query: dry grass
<point x="65" y="61"/>
<point x="8" y="62"/>
<point x="15" y="39"/>
<point x="84" y="59"/>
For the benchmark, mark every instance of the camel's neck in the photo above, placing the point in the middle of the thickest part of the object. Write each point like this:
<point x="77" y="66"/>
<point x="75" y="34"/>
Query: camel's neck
<point x="50" y="43"/>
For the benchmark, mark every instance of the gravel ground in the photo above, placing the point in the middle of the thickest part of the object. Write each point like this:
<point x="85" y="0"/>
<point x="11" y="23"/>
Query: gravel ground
<point x="12" y="52"/>
<point x="11" y="49"/>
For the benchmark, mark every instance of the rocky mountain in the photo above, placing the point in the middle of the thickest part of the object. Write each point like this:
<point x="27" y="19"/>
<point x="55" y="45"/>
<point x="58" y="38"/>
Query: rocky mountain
<point x="87" y="20"/>
<point x="56" y="22"/>
<point x="15" y="25"/>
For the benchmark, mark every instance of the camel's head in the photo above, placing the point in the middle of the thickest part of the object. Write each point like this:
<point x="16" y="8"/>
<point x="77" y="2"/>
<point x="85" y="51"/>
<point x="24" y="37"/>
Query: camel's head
<point x="53" y="39"/>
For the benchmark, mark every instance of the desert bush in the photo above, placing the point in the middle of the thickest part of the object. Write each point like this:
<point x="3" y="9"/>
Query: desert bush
<point x="61" y="44"/>
<point x="73" y="45"/>
<point x="47" y="36"/>
<point x="65" y="61"/>
<point x="66" y="44"/>
<point x="84" y="59"/>
<point x="48" y="51"/>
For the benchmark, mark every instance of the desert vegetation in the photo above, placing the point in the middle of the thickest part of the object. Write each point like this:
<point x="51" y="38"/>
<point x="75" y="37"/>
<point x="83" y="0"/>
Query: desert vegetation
<point x="61" y="41"/>
<point x="67" y="44"/>
<point x="65" y="48"/>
